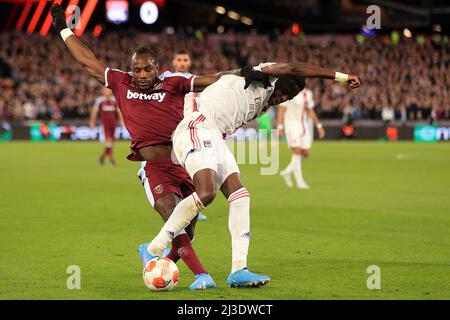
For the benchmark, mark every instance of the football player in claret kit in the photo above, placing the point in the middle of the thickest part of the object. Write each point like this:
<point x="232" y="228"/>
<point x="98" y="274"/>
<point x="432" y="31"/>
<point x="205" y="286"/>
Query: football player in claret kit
<point x="107" y="108"/>
<point x="151" y="107"/>
<point x="199" y="146"/>
<point x="296" y="117"/>
<point x="181" y="63"/>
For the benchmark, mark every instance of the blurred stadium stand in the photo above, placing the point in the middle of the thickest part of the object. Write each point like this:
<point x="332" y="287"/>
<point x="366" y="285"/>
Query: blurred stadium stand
<point x="404" y="68"/>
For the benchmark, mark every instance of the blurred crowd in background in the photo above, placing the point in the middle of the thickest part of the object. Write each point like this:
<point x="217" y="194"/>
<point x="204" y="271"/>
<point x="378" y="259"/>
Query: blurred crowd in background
<point x="407" y="81"/>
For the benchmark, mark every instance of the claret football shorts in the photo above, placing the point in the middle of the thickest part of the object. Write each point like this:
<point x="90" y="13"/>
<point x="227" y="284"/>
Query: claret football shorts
<point x="163" y="176"/>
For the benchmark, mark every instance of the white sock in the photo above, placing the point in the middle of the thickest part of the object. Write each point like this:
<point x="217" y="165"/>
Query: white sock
<point x="291" y="165"/>
<point x="182" y="215"/>
<point x="297" y="168"/>
<point x="239" y="226"/>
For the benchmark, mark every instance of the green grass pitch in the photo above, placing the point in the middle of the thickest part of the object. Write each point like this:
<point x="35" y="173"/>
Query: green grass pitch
<point x="370" y="204"/>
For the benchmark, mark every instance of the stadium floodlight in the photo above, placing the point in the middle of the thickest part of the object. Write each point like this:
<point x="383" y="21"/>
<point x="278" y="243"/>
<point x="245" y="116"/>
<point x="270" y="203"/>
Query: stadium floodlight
<point x="220" y="10"/>
<point x="149" y="12"/>
<point x="246" y="20"/>
<point x="407" y="33"/>
<point x="117" y="11"/>
<point x="233" y="15"/>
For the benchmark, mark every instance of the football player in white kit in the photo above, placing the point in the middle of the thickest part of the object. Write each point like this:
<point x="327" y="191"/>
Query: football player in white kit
<point x="181" y="62"/>
<point x="297" y="117"/>
<point x="199" y="146"/>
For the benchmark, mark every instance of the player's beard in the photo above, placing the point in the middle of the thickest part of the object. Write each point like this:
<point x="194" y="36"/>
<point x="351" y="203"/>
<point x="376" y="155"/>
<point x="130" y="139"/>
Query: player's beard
<point x="145" y="87"/>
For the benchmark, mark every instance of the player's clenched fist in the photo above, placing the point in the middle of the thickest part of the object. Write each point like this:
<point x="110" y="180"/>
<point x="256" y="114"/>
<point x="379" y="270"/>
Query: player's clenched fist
<point x="353" y="81"/>
<point x="350" y="80"/>
<point x="59" y="17"/>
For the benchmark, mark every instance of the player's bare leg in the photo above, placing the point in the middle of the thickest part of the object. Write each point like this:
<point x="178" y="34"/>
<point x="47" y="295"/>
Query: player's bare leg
<point x="239" y="227"/>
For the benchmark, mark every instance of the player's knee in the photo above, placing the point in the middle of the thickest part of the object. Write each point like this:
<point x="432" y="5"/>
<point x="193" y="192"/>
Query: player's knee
<point x="232" y="184"/>
<point x="305" y="153"/>
<point x="206" y="196"/>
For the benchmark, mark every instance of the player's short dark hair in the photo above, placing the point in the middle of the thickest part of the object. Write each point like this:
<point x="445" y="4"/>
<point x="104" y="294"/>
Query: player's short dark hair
<point x="182" y="51"/>
<point x="291" y="85"/>
<point x="147" y="50"/>
<point x="300" y="81"/>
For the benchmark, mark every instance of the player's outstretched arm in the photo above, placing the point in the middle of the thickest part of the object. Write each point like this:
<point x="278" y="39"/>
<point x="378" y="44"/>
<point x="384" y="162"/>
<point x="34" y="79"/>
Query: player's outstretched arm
<point x="307" y="70"/>
<point x="78" y="49"/>
<point x="250" y="75"/>
<point x="201" y="82"/>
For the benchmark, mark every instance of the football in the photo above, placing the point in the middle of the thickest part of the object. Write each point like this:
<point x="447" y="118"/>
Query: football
<point x="161" y="274"/>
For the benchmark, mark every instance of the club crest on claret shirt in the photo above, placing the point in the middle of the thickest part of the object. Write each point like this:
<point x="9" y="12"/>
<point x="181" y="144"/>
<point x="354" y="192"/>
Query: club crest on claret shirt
<point x="158" y="86"/>
<point x="159" y="189"/>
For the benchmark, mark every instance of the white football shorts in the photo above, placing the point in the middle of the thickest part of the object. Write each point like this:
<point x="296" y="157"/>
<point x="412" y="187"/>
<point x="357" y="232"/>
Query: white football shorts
<point x="298" y="135"/>
<point x="199" y="145"/>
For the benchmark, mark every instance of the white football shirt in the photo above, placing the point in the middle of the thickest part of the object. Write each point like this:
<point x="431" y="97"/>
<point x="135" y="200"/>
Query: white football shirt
<point x="228" y="106"/>
<point x="296" y="109"/>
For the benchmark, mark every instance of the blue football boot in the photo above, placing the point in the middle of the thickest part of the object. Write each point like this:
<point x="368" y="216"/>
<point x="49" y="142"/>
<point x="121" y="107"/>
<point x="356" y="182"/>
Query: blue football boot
<point x="202" y="217"/>
<point x="145" y="255"/>
<point x="202" y="281"/>
<point x="166" y="253"/>
<point x="244" y="278"/>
